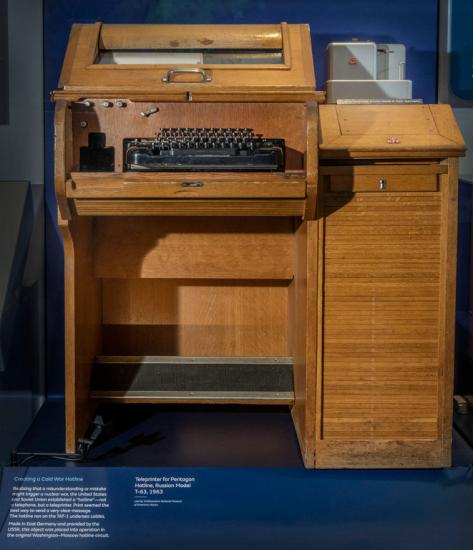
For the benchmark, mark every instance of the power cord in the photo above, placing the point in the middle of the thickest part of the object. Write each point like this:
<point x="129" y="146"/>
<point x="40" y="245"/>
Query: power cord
<point x="20" y="458"/>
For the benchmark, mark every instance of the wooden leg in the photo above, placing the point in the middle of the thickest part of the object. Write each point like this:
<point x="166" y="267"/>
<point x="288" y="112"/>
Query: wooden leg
<point x="303" y="328"/>
<point x="82" y="325"/>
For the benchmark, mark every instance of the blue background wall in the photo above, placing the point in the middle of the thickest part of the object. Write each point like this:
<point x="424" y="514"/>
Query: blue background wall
<point x="411" y="23"/>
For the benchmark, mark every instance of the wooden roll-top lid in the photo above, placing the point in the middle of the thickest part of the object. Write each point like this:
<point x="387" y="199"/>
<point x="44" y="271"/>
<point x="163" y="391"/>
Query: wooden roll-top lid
<point x="189" y="62"/>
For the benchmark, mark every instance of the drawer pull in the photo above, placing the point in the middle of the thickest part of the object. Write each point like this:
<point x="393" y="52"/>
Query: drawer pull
<point x="382" y="184"/>
<point x="192" y="184"/>
<point x="173" y="72"/>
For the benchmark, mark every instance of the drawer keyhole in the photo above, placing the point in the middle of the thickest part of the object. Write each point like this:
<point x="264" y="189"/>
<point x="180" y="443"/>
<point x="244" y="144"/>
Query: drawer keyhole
<point x="192" y="184"/>
<point x="383" y="184"/>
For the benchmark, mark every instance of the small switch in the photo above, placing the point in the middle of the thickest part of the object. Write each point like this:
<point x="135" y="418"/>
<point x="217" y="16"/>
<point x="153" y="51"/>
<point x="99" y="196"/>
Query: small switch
<point x="149" y="112"/>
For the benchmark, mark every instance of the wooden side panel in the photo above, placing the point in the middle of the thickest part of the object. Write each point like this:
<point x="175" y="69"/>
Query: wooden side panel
<point x="446" y="124"/>
<point x="62" y="155"/>
<point x="218" y="248"/>
<point x="303" y="336"/>
<point x="83" y="324"/>
<point x="195" y="318"/>
<point x="81" y="48"/>
<point x="311" y="159"/>
<point x="382" y="290"/>
<point x="448" y="251"/>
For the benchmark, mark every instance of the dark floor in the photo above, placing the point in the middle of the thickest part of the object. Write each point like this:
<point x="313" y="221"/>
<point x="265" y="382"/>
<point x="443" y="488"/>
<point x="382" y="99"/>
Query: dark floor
<point x="250" y="488"/>
<point x="192" y="436"/>
<point x="147" y="435"/>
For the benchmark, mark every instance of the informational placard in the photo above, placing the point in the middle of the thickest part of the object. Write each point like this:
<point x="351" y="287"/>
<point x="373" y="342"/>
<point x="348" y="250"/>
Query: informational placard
<point x="57" y="507"/>
<point x="85" y="506"/>
<point x="233" y="509"/>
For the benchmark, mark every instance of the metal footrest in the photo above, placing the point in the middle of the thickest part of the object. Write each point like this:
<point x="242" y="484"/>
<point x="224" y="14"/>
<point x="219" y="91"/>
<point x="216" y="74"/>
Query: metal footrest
<point x="265" y="380"/>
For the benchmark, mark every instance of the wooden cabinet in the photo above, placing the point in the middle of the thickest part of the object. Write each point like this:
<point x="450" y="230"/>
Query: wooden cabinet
<point x="327" y="285"/>
<point x="388" y="258"/>
<point x="186" y="286"/>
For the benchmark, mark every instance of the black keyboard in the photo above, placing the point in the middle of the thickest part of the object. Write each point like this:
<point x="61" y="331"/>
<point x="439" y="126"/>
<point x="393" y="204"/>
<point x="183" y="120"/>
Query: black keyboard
<point x="202" y="149"/>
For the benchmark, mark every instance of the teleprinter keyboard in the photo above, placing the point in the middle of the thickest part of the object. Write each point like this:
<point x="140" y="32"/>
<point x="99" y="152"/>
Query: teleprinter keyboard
<point x="200" y="149"/>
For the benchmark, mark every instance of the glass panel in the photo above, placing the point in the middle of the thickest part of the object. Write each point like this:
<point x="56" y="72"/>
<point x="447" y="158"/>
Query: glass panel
<point x="189" y="57"/>
<point x="143" y="57"/>
<point x="244" y="57"/>
<point x="461" y="55"/>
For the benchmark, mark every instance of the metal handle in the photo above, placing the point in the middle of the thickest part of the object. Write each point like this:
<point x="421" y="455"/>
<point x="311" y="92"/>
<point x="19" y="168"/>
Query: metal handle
<point x="172" y="72"/>
<point x="192" y="184"/>
<point x="383" y="184"/>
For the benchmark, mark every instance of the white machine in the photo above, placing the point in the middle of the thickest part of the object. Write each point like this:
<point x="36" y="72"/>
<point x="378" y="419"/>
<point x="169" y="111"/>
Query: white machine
<point x="367" y="71"/>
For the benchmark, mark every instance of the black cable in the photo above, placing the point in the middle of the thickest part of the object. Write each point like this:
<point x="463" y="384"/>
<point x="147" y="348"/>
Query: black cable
<point x="84" y="445"/>
<point x="29" y="456"/>
<point x="85" y="448"/>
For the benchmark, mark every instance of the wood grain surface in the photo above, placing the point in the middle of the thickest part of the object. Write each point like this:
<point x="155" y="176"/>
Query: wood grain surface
<point x="195" y="317"/>
<point x="217" y="248"/>
<point x="81" y="74"/>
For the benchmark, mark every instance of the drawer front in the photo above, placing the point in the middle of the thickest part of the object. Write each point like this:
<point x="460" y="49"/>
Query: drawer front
<point x="186" y="185"/>
<point x="381" y="183"/>
<point x="169" y="207"/>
